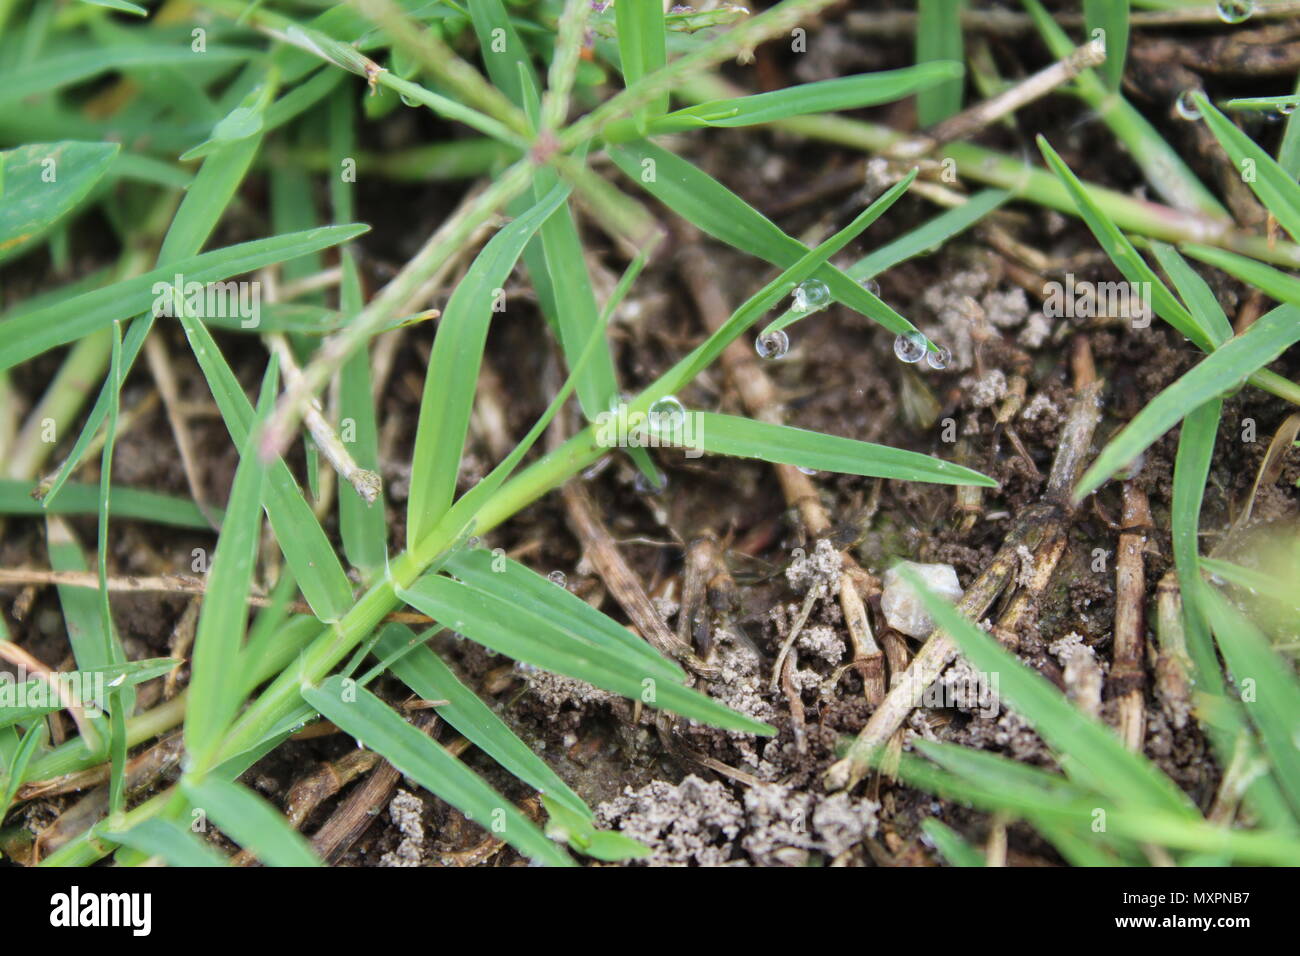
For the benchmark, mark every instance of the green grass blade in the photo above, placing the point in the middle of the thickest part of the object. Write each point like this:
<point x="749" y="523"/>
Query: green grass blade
<point x="520" y="585"/>
<point x="1256" y="582"/>
<point x="424" y="673"/>
<point x="785" y="445"/>
<point x="523" y="635"/>
<point x="939" y="37"/>
<point x="826" y="96"/>
<point x="716" y="210"/>
<point x="214" y="689"/>
<point x="1273" y="282"/>
<point x="1195" y="292"/>
<point x="642" y="47"/>
<point x="1126" y="258"/>
<point x="16" y="771"/>
<point x="250" y="821"/>
<point x="954" y="849"/>
<point x="1279" y="193"/>
<point x="452" y="376"/>
<point x="1267" y="684"/>
<point x="1090" y="751"/>
<point x="1227" y="368"/>
<point x="308" y="551"/>
<point x="1111" y="17"/>
<point x="43" y="182"/>
<point x="928" y="236"/>
<point x="17" y="498"/>
<point x="167" y="839"/>
<point x="36" y="332"/>
<point x="375" y="724"/>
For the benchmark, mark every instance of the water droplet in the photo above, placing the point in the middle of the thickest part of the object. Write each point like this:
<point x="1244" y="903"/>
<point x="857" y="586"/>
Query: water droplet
<point x="772" y="345"/>
<point x="1186" y="107"/>
<point x="939" y="359"/>
<point x="1133" y="468"/>
<point x="474" y="542"/>
<point x="811" y="295"/>
<point x="1235" y="11"/>
<point x="910" y="347"/>
<point x="558" y="578"/>
<point x="872" y="286"/>
<point x="1286" y="109"/>
<point x="667" y="412"/>
<point x="407" y="101"/>
<point x="807" y="471"/>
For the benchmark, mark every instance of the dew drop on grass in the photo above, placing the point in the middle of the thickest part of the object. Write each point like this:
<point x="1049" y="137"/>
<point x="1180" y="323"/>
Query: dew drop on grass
<point x="872" y="286"/>
<point x="811" y="295"/>
<point x="1186" y="107"/>
<point x="667" y="412"/>
<point x="772" y="345"/>
<point x="1235" y="11"/>
<point x="1286" y="109"/>
<point x="807" y="471"/>
<point x="644" y="486"/>
<point x="558" y="578"/>
<point x="939" y="359"/>
<point x="910" y="347"/>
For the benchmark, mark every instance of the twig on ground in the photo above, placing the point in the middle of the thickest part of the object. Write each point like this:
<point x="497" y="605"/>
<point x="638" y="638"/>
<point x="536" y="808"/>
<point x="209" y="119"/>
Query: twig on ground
<point x="1127" y="673"/>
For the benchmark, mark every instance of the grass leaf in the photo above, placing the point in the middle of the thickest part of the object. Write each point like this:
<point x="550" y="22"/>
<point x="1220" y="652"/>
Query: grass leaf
<point x="938" y="38"/>
<point x="168" y="839"/>
<point x="43" y="182"/>
<point x="375" y="724"/>
<point x="250" y="821"/>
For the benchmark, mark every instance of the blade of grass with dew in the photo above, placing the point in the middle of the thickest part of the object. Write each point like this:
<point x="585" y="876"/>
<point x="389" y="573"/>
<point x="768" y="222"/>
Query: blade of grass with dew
<point x="1274" y="708"/>
<point x="520" y="633"/>
<point x="423" y="672"/>
<point x="306" y="548"/>
<point x="43" y="183"/>
<point x="121" y="699"/>
<point x="1288" y="152"/>
<point x="706" y="203"/>
<point x="250" y="821"/>
<point x="1126" y="258"/>
<point x="167" y="839"/>
<point x="91" y="644"/>
<point x="825" y="96"/>
<point x="1226" y="368"/>
<point x="1162" y="165"/>
<point x="954" y="849"/>
<point x="1276" y="190"/>
<point x="372" y="722"/>
<point x="1111" y="18"/>
<point x="214" y="688"/>
<point x="786" y="445"/>
<point x="1090" y="752"/>
<point x="939" y="37"/>
<point x="16" y="772"/>
<point x="36" y="332"/>
<point x="1195" y="292"/>
<point x="452" y="376"/>
<point x="518" y="584"/>
<point x="642" y="48"/>
<point x="16" y="498"/>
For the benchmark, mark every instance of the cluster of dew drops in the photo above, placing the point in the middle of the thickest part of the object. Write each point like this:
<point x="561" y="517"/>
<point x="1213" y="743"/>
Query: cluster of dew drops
<point x="813" y="295"/>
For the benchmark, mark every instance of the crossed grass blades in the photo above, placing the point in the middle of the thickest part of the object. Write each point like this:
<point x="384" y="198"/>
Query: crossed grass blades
<point x="257" y="78"/>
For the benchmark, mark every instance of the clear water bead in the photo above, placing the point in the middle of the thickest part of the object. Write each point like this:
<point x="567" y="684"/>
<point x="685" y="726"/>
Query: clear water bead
<point x="939" y="359"/>
<point x="1186" y="107"/>
<point x="772" y="345"/>
<point x="668" y="412"/>
<point x="1235" y="11"/>
<point x="558" y="578"/>
<point x="910" y="347"/>
<point x="811" y="295"/>
<point x="872" y="286"/>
